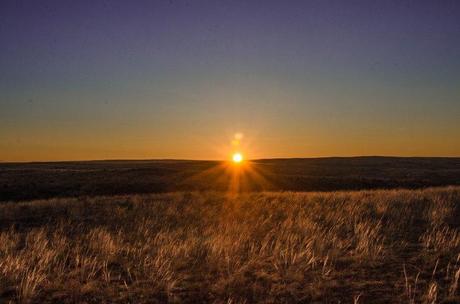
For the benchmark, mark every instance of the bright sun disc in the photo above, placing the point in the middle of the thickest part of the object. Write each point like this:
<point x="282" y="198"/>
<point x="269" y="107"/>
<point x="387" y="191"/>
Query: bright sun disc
<point x="237" y="157"/>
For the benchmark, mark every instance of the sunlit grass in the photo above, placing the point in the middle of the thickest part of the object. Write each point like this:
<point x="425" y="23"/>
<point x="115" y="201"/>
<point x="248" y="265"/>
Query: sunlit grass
<point x="396" y="246"/>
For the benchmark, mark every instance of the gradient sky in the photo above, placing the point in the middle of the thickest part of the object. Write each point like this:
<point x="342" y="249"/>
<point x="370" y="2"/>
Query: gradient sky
<point x="176" y="79"/>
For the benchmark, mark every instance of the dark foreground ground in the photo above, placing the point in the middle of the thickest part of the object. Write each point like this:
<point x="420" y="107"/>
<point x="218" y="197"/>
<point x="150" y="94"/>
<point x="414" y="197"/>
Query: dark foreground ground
<point x="66" y="179"/>
<point x="379" y="246"/>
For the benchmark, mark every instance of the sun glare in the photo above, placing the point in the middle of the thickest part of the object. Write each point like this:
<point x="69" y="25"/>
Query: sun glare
<point x="237" y="158"/>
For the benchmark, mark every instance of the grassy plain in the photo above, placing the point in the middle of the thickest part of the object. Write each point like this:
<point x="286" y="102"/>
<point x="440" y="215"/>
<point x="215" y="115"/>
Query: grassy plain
<point x="379" y="246"/>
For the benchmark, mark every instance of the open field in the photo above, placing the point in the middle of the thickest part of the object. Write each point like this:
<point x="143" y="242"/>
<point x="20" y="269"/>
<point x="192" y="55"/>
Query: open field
<point x="26" y="181"/>
<point x="229" y="152"/>
<point x="380" y="246"/>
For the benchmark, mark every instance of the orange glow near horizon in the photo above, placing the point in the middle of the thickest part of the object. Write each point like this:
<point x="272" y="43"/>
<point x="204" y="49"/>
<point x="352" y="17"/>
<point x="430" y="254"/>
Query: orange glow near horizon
<point x="254" y="144"/>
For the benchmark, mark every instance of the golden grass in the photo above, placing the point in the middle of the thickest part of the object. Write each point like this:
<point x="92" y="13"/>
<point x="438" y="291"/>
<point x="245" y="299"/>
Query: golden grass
<point x="353" y="247"/>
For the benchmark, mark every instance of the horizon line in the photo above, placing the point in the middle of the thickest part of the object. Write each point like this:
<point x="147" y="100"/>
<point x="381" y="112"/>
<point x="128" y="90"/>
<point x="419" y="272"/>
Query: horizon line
<point x="213" y="160"/>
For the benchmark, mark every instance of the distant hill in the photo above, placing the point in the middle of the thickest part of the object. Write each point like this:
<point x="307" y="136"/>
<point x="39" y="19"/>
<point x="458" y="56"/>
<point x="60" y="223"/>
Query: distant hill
<point x="24" y="181"/>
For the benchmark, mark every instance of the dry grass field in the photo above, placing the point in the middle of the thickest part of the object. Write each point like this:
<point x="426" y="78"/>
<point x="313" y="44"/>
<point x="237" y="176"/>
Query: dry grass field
<point x="379" y="246"/>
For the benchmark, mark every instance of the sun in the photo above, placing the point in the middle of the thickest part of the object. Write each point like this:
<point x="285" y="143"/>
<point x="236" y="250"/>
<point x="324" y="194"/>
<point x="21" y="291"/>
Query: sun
<point x="237" y="158"/>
